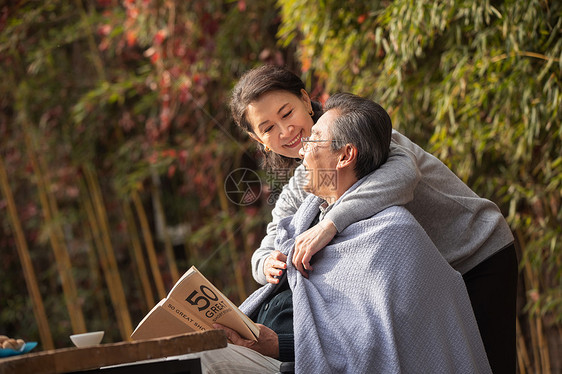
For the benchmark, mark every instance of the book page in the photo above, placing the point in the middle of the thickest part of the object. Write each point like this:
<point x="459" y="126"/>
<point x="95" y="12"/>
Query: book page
<point x="185" y="316"/>
<point x="195" y="295"/>
<point x="159" y="323"/>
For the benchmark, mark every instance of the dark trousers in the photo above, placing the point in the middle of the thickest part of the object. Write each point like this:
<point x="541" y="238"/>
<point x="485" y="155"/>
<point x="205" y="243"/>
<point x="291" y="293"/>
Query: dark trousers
<point x="492" y="287"/>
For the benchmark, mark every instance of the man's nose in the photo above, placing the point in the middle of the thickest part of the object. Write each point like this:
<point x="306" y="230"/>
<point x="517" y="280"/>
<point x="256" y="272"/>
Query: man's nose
<point x="301" y="151"/>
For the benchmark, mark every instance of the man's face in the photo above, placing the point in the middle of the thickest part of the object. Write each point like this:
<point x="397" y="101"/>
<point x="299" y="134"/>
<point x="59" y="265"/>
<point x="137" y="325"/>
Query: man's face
<point x="319" y="159"/>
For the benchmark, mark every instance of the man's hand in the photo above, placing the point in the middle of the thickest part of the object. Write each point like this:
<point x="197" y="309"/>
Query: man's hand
<point x="310" y="242"/>
<point x="274" y="266"/>
<point x="267" y="344"/>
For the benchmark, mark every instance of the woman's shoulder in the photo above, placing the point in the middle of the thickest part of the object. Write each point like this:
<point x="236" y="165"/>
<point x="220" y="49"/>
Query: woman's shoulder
<point x="298" y="181"/>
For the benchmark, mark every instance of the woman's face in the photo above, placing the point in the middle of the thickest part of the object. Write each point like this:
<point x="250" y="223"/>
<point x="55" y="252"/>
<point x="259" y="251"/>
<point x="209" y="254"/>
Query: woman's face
<point x="279" y="120"/>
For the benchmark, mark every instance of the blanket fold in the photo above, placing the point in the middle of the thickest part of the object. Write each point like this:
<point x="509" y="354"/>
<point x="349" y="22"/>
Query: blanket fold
<point x="381" y="299"/>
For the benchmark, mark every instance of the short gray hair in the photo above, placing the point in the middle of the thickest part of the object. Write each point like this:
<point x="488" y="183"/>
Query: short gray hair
<point x="364" y="124"/>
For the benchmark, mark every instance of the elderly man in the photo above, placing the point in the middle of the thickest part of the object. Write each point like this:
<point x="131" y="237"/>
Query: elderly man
<point x="381" y="298"/>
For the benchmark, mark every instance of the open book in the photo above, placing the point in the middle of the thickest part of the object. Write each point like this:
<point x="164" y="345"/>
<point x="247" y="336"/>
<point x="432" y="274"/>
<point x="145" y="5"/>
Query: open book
<point x="193" y="304"/>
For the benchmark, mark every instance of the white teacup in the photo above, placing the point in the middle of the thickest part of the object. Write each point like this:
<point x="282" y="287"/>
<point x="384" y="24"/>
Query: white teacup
<point x="87" y="339"/>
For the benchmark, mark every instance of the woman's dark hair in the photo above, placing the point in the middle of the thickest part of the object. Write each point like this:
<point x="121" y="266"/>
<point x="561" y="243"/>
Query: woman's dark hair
<point x="363" y="123"/>
<point x="257" y="82"/>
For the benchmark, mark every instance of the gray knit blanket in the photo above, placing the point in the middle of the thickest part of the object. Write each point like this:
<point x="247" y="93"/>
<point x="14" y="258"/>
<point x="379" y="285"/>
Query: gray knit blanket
<point x="381" y="299"/>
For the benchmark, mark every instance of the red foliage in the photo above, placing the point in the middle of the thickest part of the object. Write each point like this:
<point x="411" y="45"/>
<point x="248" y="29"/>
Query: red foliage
<point x="104" y="3"/>
<point x="131" y="38"/>
<point x="160" y="36"/>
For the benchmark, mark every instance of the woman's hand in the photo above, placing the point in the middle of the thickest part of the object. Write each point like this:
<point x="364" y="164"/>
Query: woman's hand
<point x="310" y="242"/>
<point x="274" y="266"/>
<point x="267" y="344"/>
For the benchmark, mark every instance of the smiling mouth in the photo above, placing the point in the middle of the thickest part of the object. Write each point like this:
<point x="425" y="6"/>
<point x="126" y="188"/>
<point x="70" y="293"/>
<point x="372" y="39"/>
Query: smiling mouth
<point x="296" y="141"/>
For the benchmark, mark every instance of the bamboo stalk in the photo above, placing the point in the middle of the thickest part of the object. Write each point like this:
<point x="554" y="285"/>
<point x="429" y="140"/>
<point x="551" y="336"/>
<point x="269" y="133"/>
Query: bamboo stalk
<point x="138" y="257"/>
<point x="96" y="234"/>
<point x="230" y="235"/>
<point x="532" y="330"/>
<point x="532" y="283"/>
<point x="119" y="300"/>
<point x="58" y="232"/>
<point x="522" y="354"/>
<point x="543" y="346"/>
<point x="96" y="58"/>
<point x="61" y="254"/>
<point x="162" y="227"/>
<point x="93" y="265"/>
<point x="150" y="250"/>
<point x="101" y="258"/>
<point x="25" y="259"/>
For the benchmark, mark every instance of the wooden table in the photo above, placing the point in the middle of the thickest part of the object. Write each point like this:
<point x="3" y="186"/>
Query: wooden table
<point x="67" y="360"/>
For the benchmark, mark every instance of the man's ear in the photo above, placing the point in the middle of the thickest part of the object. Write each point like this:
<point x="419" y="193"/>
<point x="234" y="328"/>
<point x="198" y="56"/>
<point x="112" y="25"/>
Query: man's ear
<point x="347" y="157"/>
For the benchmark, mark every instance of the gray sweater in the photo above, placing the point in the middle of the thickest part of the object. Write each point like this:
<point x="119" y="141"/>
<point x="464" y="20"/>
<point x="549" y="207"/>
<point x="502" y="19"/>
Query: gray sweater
<point x="465" y="228"/>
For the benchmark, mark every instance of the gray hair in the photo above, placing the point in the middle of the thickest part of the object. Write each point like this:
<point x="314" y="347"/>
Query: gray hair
<point x="364" y="124"/>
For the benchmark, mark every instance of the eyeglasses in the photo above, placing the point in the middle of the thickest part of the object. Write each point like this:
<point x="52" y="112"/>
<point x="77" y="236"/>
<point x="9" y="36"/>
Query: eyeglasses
<point x="306" y="143"/>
